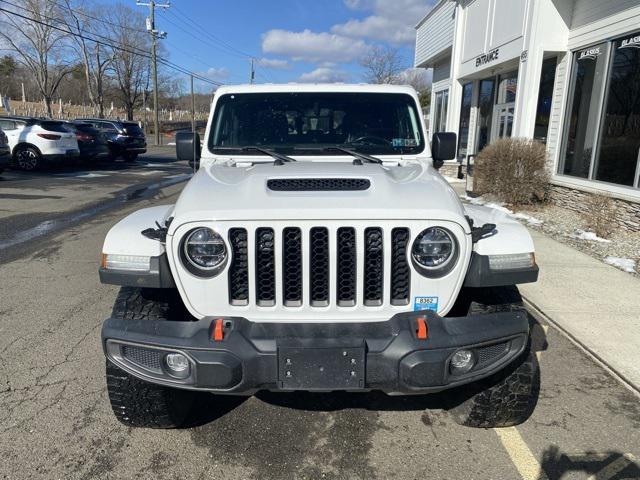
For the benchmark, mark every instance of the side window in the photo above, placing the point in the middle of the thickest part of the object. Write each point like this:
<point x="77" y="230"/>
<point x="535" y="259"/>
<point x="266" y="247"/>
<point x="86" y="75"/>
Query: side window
<point x="7" y="125"/>
<point x="108" y="127"/>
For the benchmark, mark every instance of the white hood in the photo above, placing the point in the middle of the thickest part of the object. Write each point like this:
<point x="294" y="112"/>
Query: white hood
<point x="223" y="192"/>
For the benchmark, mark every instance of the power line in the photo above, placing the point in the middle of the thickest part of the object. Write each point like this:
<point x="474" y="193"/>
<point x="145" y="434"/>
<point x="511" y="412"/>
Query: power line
<point x="139" y="52"/>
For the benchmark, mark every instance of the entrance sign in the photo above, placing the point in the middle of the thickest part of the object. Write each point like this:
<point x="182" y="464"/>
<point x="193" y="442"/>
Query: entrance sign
<point x="487" y="57"/>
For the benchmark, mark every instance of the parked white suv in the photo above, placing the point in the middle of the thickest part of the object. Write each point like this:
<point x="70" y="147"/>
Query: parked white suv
<point x="34" y="141"/>
<point x="317" y="248"/>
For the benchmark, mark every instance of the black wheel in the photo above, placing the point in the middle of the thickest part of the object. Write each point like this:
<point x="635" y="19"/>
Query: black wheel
<point x="508" y="397"/>
<point x="137" y="403"/>
<point x="28" y="158"/>
<point x="130" y="157"/>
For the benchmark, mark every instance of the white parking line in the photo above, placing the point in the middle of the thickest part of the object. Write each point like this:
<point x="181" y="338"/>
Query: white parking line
<point x="522" y="458"/>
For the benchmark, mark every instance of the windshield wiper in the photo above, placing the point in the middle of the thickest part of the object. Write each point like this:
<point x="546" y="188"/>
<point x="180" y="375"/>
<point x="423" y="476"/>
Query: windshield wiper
<point x="280" y="158"/>
<point x="353" y="153"/>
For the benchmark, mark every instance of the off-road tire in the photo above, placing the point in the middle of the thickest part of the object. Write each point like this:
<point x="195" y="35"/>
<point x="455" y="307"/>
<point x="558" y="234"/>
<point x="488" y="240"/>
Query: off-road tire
<point x="508" y="397"/>
<point x="137" y="403"/>
<point x="27" y="158"/>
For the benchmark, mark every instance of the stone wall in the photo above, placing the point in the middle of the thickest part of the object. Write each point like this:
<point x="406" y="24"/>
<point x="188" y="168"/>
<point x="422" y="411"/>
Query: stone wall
<point x="627" y="213"/>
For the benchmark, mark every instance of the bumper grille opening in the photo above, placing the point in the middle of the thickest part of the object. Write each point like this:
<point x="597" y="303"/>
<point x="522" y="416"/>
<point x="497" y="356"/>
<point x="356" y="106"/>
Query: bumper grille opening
<point x="292" y="267"/>
<point x="145" y="357"/>
<point x="373" y="266"/>
<point x="491" y="353"/>
<point x="239" y="268"/>
<point x="346" y="268"/>
<point x="319" y="266"/>
<point x="265" y="267"/>
<point x="400" y="270"/>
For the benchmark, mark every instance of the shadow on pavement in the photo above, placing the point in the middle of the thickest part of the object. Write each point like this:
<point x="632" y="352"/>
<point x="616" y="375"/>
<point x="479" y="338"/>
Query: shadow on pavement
<point x="609" y="465"/>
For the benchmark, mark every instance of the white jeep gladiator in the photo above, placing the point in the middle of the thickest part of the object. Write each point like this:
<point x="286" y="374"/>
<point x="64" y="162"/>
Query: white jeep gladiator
<point x="317" y="248"/>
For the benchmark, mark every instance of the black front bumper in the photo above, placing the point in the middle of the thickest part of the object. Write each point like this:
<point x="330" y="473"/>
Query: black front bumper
<point x="386" y="356"/>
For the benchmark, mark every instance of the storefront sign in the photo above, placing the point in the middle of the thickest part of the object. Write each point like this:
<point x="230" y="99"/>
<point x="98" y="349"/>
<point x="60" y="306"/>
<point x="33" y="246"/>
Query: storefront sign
<point x="631" y="42"/>
<point x="590" y="54"/>
<point x="487" y="57"/>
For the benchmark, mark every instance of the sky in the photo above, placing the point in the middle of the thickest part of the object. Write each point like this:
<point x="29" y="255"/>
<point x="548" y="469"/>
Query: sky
<point x="291" y="40"/>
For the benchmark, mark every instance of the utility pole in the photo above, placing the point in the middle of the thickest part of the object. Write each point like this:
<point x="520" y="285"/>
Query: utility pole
<point x="155" y="35"/>
<point x="193" y="125"/>
<point x="252" y="72"/>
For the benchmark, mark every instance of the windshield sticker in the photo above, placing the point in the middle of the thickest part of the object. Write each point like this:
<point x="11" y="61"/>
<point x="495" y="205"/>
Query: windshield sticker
<point x="425" y="303"/>
<point x="404" y="142"/>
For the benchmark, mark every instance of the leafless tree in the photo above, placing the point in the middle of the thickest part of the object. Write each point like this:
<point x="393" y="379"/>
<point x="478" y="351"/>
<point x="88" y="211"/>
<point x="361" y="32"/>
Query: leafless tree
<point x="94" y="56"/>
<point x="130" y="63"/>
<point x="420" y="81"/>
<point x="30" y="32"/>
<point x="382" y="64"/>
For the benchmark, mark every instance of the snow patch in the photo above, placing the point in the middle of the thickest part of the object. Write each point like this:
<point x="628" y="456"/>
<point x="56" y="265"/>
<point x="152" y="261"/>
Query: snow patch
<point x="453" y="179"/>
<point x="625" y="264"/>
<point x="589" y="236"/>
<point x="501" y="208"/>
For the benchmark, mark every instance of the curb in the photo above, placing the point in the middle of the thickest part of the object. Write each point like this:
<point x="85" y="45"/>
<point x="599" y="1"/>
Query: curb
<point x="538" y="314"/>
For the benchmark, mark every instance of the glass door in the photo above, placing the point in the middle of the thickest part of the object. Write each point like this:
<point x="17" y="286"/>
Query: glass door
<point x="505" y="105"/>
<point x="485" y="112"/>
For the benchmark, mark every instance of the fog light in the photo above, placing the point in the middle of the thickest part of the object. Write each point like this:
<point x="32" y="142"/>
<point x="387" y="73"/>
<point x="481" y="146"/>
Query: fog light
<point x="462" y="361"/>
<point x="177" y="365"/>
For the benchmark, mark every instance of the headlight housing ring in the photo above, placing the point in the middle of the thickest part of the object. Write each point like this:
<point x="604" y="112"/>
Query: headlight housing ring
<point x="203" y="252"/>
<point x="435" y="252"/>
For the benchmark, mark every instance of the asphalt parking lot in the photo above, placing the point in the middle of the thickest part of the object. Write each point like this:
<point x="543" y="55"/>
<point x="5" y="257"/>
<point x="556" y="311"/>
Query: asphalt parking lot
<point x="56" y="422"/>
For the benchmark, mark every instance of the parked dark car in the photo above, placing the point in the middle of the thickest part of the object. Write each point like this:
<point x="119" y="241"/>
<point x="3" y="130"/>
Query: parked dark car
<point x="91" y="141"/>
<point x="5" y="151"/>
<point x="125" y="139"/>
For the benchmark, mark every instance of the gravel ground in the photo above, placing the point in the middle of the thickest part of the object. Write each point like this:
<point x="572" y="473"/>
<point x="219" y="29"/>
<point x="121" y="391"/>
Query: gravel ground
<point x="565" y="225"/>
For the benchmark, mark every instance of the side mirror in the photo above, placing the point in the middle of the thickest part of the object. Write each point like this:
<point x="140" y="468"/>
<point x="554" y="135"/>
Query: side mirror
<point x="443" y="147"/>
<point x="185" y="148"/>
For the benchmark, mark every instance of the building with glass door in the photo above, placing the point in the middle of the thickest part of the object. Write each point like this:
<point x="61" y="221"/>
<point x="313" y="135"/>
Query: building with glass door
<point x="565" y="72"/>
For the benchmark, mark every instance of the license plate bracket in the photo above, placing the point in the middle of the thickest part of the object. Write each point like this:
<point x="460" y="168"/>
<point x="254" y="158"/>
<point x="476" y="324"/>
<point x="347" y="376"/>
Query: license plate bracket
<point x="321" y="368"/>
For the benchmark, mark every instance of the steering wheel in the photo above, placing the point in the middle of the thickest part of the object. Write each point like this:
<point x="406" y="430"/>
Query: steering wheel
<point x="372" y="140"/>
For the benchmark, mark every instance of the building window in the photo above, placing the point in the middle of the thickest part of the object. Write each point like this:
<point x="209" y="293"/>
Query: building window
<point x="602" y="138"/>
<point x="485" y="112"/>
<point x="505" y="104"/>
<point x="440" y="111"/>
<point x="465" y="118"/>
<point x="545" y="98"/>
<point x="617" y="161"/>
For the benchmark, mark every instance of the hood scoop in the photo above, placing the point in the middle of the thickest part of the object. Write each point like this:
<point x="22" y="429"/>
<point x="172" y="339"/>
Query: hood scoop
<point x="317" y="184"/>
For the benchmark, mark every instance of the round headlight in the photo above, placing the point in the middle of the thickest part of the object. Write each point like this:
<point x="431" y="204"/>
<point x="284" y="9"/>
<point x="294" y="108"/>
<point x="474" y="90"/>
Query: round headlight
<point x="434" y="250"/>
<point x="204" y="251"/>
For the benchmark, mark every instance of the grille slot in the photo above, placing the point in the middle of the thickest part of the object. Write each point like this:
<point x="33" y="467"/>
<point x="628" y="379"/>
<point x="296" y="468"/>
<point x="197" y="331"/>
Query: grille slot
<point x="400" y="270"/>
<point x="265" y="267"/>
<point x="144" y="357"/>
<point x="317" y="184"/>
<point x="239" y="268"/>
<point x="346" y="268"/>
<point x="373" y="266"/>
<point x="319" y="266"/>
<point x="292" y="267"/>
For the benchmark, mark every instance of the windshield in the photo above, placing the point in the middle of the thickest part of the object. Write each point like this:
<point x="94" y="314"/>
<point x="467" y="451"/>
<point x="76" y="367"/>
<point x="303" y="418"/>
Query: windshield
<point x="375" y="123"/>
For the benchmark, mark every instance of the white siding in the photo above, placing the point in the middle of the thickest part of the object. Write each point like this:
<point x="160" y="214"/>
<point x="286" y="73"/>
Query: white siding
<point x="554" y="139"/>
<point x="435" y="34"/>
<point x="589" y="11"/>
<point x="594" y="20"/>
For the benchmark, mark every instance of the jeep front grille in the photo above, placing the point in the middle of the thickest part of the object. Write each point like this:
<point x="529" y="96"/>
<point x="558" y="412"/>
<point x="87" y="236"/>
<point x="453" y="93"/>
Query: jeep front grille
<point x="316" y="273"/>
